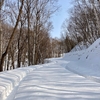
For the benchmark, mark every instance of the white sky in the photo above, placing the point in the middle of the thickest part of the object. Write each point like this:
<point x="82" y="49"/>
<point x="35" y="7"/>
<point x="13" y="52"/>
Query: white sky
<point x="60" y="16"/>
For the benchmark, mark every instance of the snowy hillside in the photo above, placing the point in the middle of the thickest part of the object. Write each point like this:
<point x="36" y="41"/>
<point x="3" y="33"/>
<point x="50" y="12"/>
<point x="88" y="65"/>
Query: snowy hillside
<point x="80" y="46"/>
<point x="86" y="61"/>
<point x="76" y="76"/>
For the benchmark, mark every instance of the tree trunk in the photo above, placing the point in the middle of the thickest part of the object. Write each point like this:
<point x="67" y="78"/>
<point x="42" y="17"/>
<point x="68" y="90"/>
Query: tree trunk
<point x="11" y="38"/>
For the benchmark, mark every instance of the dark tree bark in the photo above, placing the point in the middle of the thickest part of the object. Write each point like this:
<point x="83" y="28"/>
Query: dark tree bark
<point x="11" y="38"/>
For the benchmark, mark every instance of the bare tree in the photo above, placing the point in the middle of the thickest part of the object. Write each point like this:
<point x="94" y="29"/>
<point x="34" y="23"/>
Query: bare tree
<point x="1" y="4"/>
<point x="83" y="24"/>
<point x="10" y="40"/>
<point x="27" y="38"/>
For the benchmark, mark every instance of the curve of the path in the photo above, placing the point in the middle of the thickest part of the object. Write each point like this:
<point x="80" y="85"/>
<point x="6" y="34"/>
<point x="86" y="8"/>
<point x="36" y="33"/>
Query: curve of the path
<point x="54" y="82"/>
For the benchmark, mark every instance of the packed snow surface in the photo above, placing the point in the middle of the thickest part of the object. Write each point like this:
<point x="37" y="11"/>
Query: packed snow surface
<point x="75" y="76"/>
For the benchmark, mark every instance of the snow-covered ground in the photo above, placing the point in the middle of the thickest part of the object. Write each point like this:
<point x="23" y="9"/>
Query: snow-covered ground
<point x="76" y="76"/>
<point x="86" y="62"/>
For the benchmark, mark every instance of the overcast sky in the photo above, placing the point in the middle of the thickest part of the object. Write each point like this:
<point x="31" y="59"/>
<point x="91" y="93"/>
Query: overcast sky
<point x="59" y="17"/>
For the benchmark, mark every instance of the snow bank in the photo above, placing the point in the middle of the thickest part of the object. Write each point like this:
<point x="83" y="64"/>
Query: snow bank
<point x="10" y="79"/>
<point x="86" y="62"/>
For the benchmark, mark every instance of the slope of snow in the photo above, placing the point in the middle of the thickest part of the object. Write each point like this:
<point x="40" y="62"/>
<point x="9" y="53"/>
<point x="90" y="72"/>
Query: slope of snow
<point x="10" y="79"/>
<point x="80" y="46"/>
<point x="86" y="61"/>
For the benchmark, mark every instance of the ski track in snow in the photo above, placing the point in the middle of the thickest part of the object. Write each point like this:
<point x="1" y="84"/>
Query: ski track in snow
<point x="76" y="76"/>
<point x="54" y="82"/>
<point x="9" y="80"/>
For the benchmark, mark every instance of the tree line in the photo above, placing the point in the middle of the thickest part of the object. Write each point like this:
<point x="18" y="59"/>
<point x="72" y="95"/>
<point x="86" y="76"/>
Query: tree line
<point x="25" y="33"/>
<point x="83" y="25"/>
<point x="25" y="28"/>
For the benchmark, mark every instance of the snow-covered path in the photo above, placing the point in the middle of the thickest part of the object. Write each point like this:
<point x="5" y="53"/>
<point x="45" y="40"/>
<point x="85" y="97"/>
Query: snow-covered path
<point x="54" y="82"/>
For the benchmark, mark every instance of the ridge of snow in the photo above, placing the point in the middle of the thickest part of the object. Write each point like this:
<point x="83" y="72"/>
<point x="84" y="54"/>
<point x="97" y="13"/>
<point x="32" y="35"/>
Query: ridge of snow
<point x="10" y="79"/>
<point x="86" y="62"/>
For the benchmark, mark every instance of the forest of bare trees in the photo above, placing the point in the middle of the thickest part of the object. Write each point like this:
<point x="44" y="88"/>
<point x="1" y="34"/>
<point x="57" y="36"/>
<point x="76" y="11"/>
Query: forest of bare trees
<point x="25" y="28"/>
<point x="83" y="26"/>
<point x="25" y="32"/>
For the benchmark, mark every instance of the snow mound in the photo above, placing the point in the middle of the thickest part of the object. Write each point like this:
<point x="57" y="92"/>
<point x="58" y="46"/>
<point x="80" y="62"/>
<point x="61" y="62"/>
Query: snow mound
<point x="10" y="79"/>
<point x="86" y="62"/>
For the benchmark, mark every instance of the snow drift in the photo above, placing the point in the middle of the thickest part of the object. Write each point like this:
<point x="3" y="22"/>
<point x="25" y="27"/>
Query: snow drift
<point x="10" y="79"/>
<point x="86" y="62"/>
